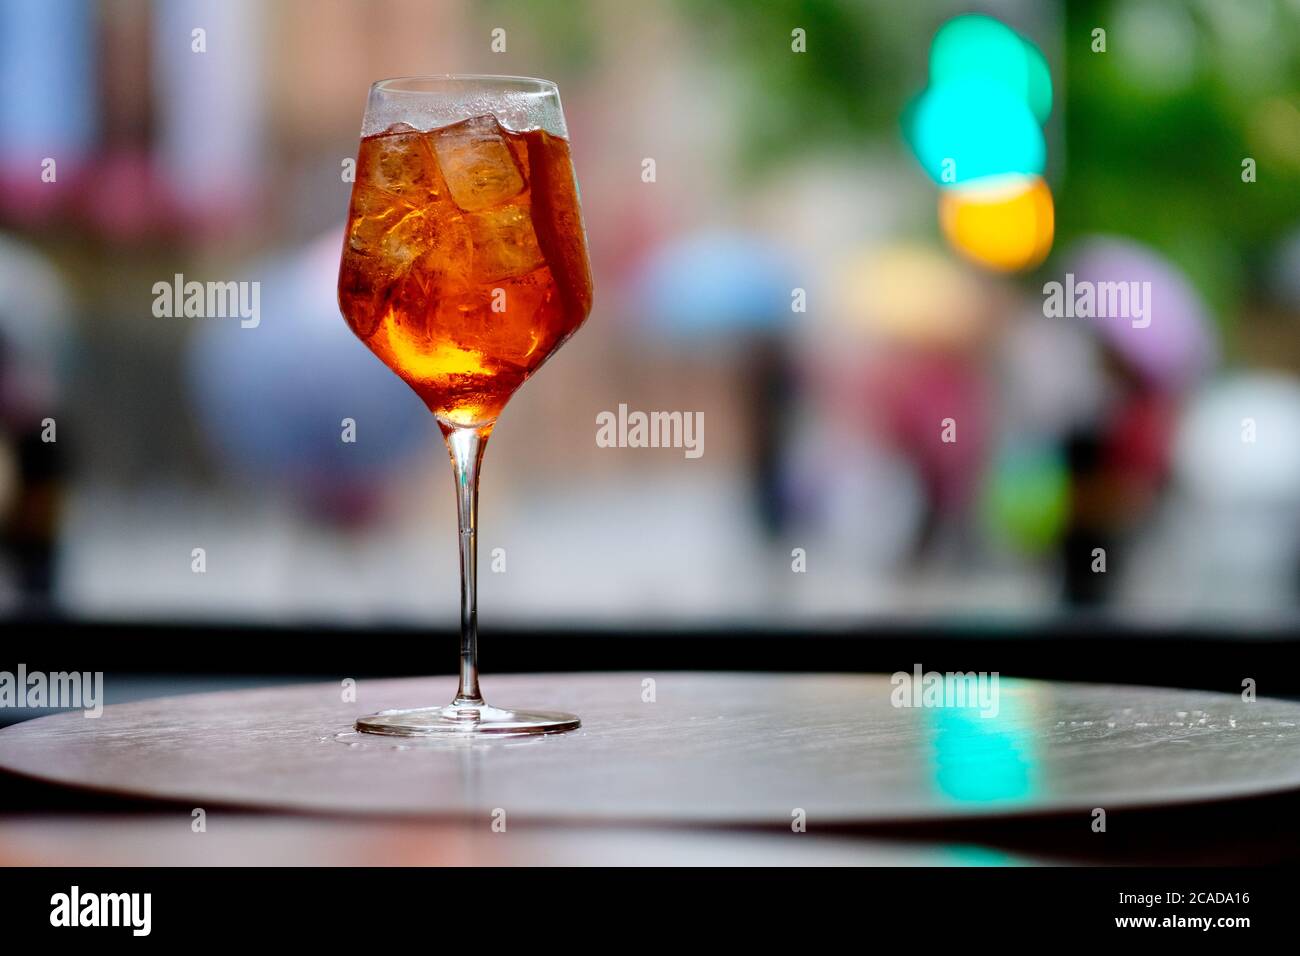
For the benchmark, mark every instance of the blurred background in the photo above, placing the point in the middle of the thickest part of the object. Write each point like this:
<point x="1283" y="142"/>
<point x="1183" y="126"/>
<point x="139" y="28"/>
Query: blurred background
<point x="1177" y="451"/>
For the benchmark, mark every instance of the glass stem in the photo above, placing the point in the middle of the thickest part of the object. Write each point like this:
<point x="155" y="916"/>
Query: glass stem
<point x="466" y="446"/>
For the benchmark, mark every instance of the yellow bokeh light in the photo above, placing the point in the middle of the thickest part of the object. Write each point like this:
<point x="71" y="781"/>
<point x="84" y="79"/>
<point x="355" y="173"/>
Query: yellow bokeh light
<point x="1006" y="224"/>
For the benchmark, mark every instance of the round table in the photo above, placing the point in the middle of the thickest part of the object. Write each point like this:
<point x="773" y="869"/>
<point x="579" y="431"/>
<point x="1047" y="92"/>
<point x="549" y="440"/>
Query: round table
<point x="739" y="749"/>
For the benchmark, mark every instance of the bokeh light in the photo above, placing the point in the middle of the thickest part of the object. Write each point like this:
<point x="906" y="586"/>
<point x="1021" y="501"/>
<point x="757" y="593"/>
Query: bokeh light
<point x="976" y="132"/>
<point x="912" y="294"/>
<point x="972" y="128"/>
<point x="1027" y="501"/>
<point x="978" y="47"/>
<point x="1004" y="223"/>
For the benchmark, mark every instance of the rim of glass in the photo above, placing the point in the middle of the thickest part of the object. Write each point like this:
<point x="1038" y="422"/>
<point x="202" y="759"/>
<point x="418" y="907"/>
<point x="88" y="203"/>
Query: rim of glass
<point x="520" y="83"/>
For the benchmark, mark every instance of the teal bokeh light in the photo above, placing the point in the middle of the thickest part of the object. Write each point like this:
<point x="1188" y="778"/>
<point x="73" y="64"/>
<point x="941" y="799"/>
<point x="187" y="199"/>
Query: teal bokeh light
<point x="1039" y="86"/>
<point x="972" y="127"/>
<point x="976" y="47"/>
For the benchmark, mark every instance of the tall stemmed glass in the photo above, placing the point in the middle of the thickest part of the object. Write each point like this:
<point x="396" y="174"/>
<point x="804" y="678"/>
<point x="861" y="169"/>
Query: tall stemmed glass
<point x="464" y="268"/>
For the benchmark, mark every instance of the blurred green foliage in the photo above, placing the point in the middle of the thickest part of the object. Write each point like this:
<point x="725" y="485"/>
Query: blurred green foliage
<point x="862" y="61"/>
<point x="566" y="29"/>
<point x="1157" y="127"/>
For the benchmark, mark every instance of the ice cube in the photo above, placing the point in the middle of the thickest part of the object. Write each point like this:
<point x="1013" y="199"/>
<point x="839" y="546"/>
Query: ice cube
<point x="504" y="242"/>
<point x="399" y="161"/>
<point x="385" y="227"/>
<point x="514" y="333"/>
<point x="374" y="215"/>
<point x="477" y="163"/>
<point x="380" y="251"/>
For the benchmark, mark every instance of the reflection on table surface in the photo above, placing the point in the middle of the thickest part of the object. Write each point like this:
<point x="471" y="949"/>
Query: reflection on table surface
<point x="167" y="839"/>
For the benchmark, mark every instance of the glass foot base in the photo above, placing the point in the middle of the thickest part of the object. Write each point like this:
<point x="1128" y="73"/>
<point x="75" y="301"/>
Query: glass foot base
<point x="466" y="720"/>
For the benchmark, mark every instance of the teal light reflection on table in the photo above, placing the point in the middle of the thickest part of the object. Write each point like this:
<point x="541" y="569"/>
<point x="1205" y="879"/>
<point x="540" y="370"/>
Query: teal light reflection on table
<point x="983" y="759"/>
<point x="971" y="854"/>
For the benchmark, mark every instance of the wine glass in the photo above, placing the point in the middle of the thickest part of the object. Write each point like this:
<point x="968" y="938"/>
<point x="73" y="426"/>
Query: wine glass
<point x="464" y="268"/>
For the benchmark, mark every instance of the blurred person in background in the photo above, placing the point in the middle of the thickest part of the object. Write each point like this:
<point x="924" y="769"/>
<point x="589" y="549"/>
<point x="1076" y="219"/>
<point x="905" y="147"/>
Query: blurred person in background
<point x="1153" y="357"/>
<point x="33" y="465"/>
